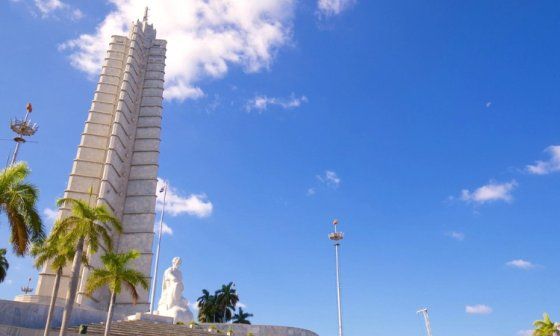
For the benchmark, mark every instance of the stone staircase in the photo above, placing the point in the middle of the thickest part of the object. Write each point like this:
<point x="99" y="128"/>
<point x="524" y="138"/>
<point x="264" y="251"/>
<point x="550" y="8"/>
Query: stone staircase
<point x="144" y="328"/>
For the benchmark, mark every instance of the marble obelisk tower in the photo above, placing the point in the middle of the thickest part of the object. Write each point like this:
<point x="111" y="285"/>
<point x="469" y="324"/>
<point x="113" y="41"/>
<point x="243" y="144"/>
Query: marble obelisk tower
<point x="117" y="159"/>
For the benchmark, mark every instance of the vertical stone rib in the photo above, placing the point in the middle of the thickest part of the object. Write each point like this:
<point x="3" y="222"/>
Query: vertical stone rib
<point x="121" y="142"/>
<point x="139" y="207"/>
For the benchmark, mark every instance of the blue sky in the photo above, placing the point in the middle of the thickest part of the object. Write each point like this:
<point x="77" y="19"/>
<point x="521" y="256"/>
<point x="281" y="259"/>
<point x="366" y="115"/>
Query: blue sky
<point x="425" y="127"/>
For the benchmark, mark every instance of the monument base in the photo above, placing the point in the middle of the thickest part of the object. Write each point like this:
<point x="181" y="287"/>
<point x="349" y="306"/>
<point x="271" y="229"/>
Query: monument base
<point x="150" y="317"/>
<point x="138" y="327"/>
<point x="34" y="315"/>
<point x="257" y="330"/>
<point x="44" y="300"/>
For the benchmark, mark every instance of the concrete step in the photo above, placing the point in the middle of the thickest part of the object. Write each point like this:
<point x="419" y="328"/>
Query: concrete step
<point x="144" y="328"/>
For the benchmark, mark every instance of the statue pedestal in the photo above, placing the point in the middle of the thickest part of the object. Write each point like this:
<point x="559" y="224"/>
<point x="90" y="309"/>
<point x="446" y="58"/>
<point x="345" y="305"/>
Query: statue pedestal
<point x="150" y="317"/>
<point x="178" y="314"/>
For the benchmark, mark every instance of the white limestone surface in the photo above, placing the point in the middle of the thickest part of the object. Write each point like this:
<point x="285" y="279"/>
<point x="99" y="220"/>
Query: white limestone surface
<point x="117" y="159"/>
<point x="34" y="315"/>
<point x="261" y="330"/>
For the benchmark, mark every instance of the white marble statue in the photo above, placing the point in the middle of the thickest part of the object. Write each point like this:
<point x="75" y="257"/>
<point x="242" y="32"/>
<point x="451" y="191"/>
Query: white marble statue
<point x="172" y="303"/>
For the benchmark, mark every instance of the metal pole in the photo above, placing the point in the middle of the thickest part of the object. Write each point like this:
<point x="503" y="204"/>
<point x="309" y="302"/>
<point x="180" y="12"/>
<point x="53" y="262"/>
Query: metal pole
<point x="337" y="236"/>
<point x="424" y="312"/>
<point x="15" y="154"/>
<point x="337" y="246"/>
<point x="428" y="326"/>
<point x="154" y="283"/>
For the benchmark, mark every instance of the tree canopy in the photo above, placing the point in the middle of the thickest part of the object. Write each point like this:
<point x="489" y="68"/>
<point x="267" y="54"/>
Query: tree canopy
<point x="18" y="201"/>
<point x="220" y="306"/>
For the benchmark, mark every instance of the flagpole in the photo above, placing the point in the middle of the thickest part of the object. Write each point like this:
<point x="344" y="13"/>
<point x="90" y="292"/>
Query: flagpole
<point x="154" y="282"/>
<point x="337" y="236"/>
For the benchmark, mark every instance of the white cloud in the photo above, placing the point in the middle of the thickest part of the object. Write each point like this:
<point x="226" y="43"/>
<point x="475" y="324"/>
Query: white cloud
<point x="261" y="103"/>
<point x="478" y="310"/>
<point x="240" y="305"/>
<point x="205" y="37"/>
<point x="50" y="214"/>
<point x="76" y="14"/>
<point x="547" y="167"/>
<point x="165" y="229"/>
<point x="521" y="264"/>
<point x="46" y="7"/>
<point x="51" y="8"/>
<point x="327" y="179"/>
<point x="182" y="91"/>
<point x="50" y="217"/>
<point x="460" y="236"/>
<point x="489" y="193"/>
<point x="333" y="7"/>
<point x="175" y="204"/>
<point x="330" y="178"/>
<point x="525" y="333"/>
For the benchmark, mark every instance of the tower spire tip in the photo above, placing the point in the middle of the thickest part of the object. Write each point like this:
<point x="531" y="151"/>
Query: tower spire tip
<point x="146" y="14"/>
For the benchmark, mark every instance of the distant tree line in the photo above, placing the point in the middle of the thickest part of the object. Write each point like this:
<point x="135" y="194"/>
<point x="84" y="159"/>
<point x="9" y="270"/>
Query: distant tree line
<point x="221" y="306"/>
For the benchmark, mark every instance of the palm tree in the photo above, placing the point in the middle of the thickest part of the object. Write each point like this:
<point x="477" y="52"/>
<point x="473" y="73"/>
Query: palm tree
<point x="17" y="200"/>
<point x="3" y="265"/>
<point x="86" y="224"/>
<point x="215" y="308"/>
<point x="201" y="301"/>
<point x="115" y="275"/>
<point x="206" y="307"/>
<point x="218" y="308"/>
<point x="242" y="317"/>
<point x="545" y="327"/>
<point x="227" y="298"/>
<point x="59" y="252"/>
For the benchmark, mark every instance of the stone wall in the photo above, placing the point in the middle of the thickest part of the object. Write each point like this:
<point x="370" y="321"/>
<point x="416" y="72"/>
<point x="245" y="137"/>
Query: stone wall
<point x="262" y="330"/>
<point x="18" y="331"/>
<point x="33" y="315"/>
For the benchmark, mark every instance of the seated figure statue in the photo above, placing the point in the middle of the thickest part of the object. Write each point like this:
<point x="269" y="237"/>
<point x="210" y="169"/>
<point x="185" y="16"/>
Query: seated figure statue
<point x="172" y="303"/>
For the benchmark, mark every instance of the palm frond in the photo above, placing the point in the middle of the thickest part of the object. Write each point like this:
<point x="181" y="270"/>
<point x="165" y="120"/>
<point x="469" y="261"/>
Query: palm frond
<point x="19" y="237"/>
<point x="97" y="280"/>
<point x="116" y="273"/>
<point x="18" y="201"/>
<point x="4" y="265"/>
<point x="14" y="174"/>
<point x="132" y="290"/>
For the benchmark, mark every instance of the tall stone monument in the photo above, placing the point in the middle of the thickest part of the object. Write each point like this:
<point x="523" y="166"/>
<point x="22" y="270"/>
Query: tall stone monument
<point x="117" y="159"/>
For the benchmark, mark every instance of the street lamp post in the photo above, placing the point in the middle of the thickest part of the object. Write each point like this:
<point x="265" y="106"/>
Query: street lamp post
<point x="424" y="312"/>
<point x="27" y="289"/>
<point x="154" y="282"/>
<point x="22" y="128"/>
<point x="337" y="236"/>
